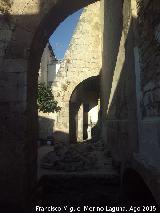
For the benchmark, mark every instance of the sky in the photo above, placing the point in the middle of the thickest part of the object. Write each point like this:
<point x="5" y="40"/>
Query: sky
<point x="60" y="39"/>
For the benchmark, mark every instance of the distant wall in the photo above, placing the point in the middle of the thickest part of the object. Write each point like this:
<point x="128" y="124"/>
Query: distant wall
<point x="49" y="68"/>
<point x="82" y="60"/>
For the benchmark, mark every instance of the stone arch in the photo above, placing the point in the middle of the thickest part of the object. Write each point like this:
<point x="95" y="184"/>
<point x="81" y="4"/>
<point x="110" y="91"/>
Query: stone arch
<point x="57" y="12"/>
<point x="25" y="28"/>
<point x="87" y="94"/>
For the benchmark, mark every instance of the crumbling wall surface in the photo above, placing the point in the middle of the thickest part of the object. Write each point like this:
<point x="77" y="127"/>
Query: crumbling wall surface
<point x="149" y="65"/>
<point x="149" y="32"/>
<point x="149" y="97"/>
<point x="82" y="60"/>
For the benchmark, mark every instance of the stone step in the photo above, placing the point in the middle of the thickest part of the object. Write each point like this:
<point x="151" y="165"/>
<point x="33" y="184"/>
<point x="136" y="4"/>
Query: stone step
<point x="108" y="178"/>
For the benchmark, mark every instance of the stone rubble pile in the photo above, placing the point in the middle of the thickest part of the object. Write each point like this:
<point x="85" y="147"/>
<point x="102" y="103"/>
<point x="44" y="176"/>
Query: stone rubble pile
<point x="72" y="157"/>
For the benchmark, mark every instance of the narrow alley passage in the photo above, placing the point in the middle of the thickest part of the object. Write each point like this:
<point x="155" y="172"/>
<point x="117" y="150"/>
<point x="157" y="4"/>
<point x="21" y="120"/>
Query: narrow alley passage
<point x="80" y="177"/>
<point x="105" y="90"/>
<point x="76" y="175"/>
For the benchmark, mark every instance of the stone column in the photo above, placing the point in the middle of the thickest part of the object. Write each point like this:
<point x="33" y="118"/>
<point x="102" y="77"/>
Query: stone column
<point x="112" y="29"/>
<point x="80" y="124"/>
<point x="73" y="122"/>
<point x="85" y="121"/>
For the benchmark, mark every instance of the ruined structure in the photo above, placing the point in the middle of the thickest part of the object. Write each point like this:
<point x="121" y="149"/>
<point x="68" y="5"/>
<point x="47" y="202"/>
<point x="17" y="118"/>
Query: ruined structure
<point x="81" y="61"/>
<point x="129" y="95"/>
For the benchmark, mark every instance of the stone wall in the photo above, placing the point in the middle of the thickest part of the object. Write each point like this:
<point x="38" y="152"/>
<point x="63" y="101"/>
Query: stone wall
<point x="119" y="104"/>
<point x="149" y="63"/>
<point x="131" y="121"/>
<point x="149" y="31"/>
<point x="25" y="27"/>
<point x="82" y="60"/>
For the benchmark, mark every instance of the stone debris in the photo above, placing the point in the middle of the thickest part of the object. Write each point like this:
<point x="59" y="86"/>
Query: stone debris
<point x="69" y="158"/>
<point x="76" y="158"/>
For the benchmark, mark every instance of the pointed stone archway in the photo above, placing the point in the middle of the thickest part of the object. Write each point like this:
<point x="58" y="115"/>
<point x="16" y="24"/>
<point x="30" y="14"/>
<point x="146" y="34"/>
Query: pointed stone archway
<point x="25" y="29"/>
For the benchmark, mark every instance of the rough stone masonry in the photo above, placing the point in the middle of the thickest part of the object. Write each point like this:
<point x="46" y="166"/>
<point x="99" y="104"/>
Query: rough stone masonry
<point x="82" y="60"/>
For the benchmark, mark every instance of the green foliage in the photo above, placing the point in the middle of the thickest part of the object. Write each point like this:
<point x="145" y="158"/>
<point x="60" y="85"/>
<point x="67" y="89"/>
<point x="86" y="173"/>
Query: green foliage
<point x="46" y="102"/>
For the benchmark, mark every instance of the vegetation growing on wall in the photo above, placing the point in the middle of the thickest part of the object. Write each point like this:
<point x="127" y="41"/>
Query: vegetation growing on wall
<point x="46" y="102"/>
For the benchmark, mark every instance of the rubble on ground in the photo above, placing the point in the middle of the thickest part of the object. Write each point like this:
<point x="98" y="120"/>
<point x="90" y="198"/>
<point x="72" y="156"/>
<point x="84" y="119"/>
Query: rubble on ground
<point x="71" y="157"/>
